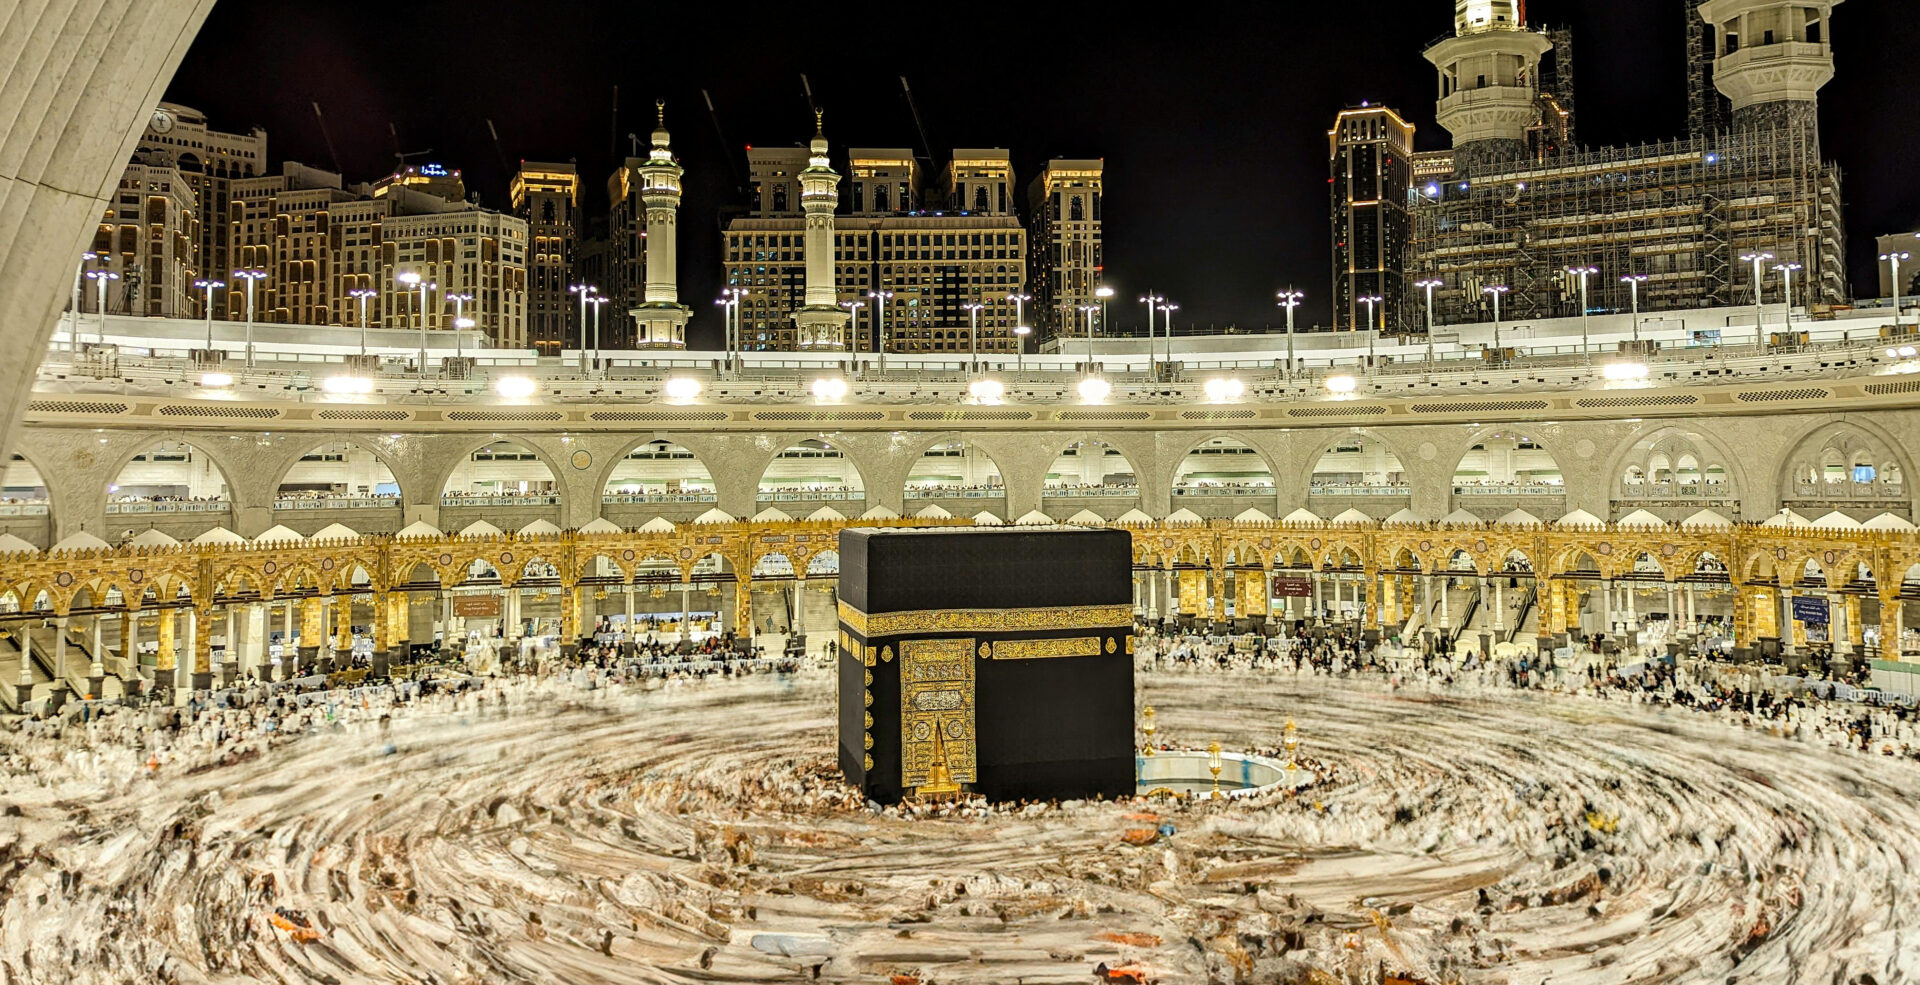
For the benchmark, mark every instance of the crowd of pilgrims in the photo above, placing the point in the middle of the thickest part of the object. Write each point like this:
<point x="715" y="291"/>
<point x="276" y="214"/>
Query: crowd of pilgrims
<point x="1739" y="693"/>
<point x="245" y="719"/>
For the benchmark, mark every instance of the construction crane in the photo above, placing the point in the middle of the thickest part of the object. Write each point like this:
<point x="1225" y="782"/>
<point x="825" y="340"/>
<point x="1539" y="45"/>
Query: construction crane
<point x="726" y="149"/>
<point x="328" y="137"/>
<point x="925" y="144"/>
<point x="400" y="155"/>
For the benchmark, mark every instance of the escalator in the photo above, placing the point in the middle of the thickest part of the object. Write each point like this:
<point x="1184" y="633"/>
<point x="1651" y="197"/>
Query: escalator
<point x="17" y="647"/>
<point x="1526" y="618"/>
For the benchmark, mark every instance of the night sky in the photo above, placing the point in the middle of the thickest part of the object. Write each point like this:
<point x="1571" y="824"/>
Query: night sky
<point x="1213" y="127"/>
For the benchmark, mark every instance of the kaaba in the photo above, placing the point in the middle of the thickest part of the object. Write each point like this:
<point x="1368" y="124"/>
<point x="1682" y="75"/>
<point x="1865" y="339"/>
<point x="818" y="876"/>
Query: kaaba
<point x="991" y="660"/>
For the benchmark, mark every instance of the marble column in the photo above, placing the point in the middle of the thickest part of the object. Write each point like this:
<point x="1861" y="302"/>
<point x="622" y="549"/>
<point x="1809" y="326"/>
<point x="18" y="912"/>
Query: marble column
<point x="130" y="643"/>
<point x="1787" y="641"/>
<point x="200" y="632"/>
<point x="97" y="670"/>
<point x="60" y="647"/>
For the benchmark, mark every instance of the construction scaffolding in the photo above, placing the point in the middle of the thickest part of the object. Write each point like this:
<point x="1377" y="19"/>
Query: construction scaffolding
<point x="1680" y="213"/>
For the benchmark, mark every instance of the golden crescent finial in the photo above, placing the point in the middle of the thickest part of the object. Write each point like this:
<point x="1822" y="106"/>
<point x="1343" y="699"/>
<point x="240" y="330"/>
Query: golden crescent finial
<point x="660" y="108"/>
<point x="818" y="128"/>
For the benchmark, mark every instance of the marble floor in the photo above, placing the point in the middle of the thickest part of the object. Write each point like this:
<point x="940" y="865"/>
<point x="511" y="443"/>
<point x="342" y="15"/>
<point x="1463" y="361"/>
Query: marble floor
<point x="696" y="834"/>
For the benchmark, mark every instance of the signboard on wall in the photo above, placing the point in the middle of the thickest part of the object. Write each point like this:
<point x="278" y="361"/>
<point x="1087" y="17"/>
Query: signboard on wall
<point x="1289" y="587"/>
<point x="1810" y="610"/>
<point x="476" y="606"/>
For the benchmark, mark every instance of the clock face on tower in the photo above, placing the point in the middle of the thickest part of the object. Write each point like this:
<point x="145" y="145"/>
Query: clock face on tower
<point x="162" y="121"/>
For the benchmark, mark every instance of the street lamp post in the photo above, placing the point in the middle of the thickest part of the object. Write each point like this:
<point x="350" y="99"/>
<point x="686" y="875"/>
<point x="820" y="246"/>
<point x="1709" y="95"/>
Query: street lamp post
<point x="1786" y="273"/>
<point x="1020" y="309"/>
<point x="1020" y="333"/>
<point x="415" y="280"/>
<point x="1088" y="310"/>
<point x="1375" y="300"/>
<point x="209" y="286"/>
<point x="250" y="276"/>
<point x="1153" y="354"/>
<point x="1290" y="299"/>
<point x="973" y="336"/>
<point x="1496" y="290"/>
<point x="460" y="315"/>
<point x="737" y="328"/>
<point x="79" y="275"/>
<point x="1633" y="282"/>
<point x="853" y="326"/>
<point x="1105" y="294"/>
<point x="725" y="304"/>
<point x="1166" y="326"/>
<point x="100" y="279"/>
<point x="880" y="325"/>
<point x="1583" y="273"/>
<point x="585" y="290"/>
<point x="363" y="294"/>
<point x="599" y="300"/>
<point x="1759" y="298"/>
<point x="1427" y="285"/>
<point x="1895" y="258"/>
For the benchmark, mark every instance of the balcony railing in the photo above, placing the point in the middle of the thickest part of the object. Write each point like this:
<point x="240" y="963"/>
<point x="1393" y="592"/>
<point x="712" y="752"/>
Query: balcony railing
<point x="1848" y="490"/>
<point x="23" y="509"/>
<point x="335" y="502"/>
<point x="809" y="495"/>
<point x="955" y="492"/>
<point x="1513" y="489"/>
<point x="1358" y="489"/>
<point x="1674" y="490"/>
<point x="613" y="499"/>
<point x="532" y="499"/>
<point x="170" y="506"/>
<point x="1236" y="490"/>
<point x="1090" y="492"/>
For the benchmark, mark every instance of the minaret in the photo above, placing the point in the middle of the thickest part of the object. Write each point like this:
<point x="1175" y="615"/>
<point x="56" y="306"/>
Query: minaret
<point x="1488" y="79"/>
<point x="822" y="323"/>
<point x="1770" y="58"/>
<point x="660" y="322"/>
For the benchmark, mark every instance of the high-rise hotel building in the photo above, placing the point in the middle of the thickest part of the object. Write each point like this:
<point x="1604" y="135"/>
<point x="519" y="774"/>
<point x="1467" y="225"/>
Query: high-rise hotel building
<point x="1370" y="150"/>
<point x="927" y="243"/>
<point x="1064" y="203"/>
<point x="547" y="198"/>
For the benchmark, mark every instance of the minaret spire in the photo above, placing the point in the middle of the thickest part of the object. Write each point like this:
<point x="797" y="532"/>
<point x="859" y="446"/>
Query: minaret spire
<point x="1489" y="73"/>
<point x="820" y="321"/>
<point x="661" y="320"/>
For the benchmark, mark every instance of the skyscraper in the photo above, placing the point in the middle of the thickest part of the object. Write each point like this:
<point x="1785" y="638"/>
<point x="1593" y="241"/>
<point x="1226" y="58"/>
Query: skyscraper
<point x="625" y="281"/>
<point x="1064" y="203"/>
<point x="178" y="136"/>
<point x="1371" y="158"/>
<point x="547" y="198"/>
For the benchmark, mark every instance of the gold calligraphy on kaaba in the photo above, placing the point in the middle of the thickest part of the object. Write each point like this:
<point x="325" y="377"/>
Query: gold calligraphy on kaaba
<point x="937" y="699"/>
<point x="1059" y="646"/>
<point x="1059" y="618"/>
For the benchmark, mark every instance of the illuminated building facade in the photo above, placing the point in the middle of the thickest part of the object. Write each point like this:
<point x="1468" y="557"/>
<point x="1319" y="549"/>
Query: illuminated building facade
<point x="1370" y="151"/>
<point x="1064" y="203"/>
<point x="1682" y="214"/>
<point x="547" y="198"/>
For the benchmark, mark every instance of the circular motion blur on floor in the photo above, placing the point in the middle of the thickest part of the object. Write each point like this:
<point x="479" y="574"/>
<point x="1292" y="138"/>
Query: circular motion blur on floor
<point x="668" y="836"/>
